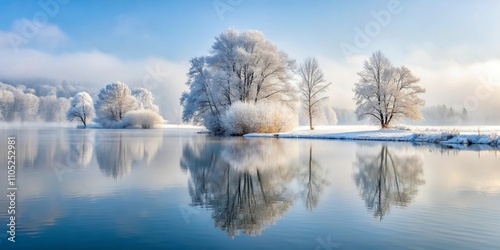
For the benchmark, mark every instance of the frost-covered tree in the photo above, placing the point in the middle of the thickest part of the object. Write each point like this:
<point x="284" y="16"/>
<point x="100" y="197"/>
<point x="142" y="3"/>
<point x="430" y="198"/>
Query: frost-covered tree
<point x="312" y="87"/>
<point x="19" y="103"/>
<point x="113" y="102"/>
<point x="25" y="106"/>
<point x="82" y="108"/>
<point x="145" y="99"/>
<point x="385" y="93"/>
<point x="241" y="67"/>
<point x="63" y="104"/>
<point x="53" y="109"/>
<point x="47" y="108"/>
<point x="6" y="103"/>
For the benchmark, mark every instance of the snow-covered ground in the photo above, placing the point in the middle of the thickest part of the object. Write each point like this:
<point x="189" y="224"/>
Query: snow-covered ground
<point x="458" y="135"/>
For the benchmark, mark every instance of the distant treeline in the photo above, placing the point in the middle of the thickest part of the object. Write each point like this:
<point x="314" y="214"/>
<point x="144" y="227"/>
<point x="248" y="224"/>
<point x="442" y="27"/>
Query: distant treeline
<point x="21" y="103"/>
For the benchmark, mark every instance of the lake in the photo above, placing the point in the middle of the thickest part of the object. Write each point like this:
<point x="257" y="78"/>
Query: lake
<point x="175" y="189"/>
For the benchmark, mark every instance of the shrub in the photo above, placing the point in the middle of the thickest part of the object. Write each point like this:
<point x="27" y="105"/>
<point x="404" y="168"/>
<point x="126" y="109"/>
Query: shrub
<point x="243" y="118"/>
<point x="142" y="118"/>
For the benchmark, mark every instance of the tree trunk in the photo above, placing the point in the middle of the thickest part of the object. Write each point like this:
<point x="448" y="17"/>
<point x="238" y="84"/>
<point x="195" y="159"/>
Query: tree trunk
<point x="310" y="119"/>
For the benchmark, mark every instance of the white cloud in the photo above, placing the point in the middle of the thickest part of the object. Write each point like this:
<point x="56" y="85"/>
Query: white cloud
<point x="28" y="34"/>
<point x="4" y="40"/>
<point x="37" y="61"/>
<point x="51" y="36"/>
<point x="93" y="66"/>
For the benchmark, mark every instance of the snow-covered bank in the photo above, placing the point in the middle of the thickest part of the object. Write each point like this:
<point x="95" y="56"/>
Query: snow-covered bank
<point x="488" y="135"/>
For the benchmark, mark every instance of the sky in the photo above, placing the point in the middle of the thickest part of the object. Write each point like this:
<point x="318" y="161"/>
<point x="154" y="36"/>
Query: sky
<point x="452" y="45"/>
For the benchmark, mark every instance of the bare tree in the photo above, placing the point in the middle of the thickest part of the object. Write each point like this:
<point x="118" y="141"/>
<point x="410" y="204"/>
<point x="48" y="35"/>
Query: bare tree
<point x="385" y="93"/>
<point x="312" y="87"/>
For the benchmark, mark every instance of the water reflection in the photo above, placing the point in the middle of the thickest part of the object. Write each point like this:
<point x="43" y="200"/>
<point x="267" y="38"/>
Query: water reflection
<point x="246" y="186"/>
<point x="116" y="152"/>
<point x="245" y="182"/>
<point x="387" y="178"/>
<point x="314" y="180"/>
<point x="81" y="147"/>
<point x="38" y="149"/>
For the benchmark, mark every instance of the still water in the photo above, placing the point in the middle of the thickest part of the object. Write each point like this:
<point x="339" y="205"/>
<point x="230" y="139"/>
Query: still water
<point x="174" y="189"/>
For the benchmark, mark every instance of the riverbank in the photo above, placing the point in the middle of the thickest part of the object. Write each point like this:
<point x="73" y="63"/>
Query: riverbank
<point x="454" y="136"/>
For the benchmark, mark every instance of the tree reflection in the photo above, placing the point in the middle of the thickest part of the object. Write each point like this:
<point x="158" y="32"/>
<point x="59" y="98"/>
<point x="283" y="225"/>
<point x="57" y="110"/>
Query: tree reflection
<point x="314" y="181"/>
<point x="116" y="152"/>
<point x="27" y="149"/>
<point x="42" y="148"/>
<point x="81" y="147"/>
<point x="245" y="181"/>
<point x="386" y="179"/>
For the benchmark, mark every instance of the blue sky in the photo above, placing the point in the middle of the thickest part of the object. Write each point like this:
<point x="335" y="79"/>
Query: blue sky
<point x="448" y="43"/>
<point x="182" y="29"/>
<point x="179" y="30"/>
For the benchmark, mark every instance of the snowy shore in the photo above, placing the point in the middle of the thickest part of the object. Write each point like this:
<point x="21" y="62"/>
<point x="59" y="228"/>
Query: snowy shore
<point x="454" y="136"/>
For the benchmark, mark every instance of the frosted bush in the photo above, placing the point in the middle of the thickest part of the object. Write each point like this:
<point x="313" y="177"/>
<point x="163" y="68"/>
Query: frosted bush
<point x="243" y="118"/>
<point x="142" y="119"/>
<point x="213" y="124"/>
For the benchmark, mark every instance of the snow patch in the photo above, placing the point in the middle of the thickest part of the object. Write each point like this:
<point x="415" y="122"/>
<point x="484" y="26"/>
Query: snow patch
<point x="488" y="137"/>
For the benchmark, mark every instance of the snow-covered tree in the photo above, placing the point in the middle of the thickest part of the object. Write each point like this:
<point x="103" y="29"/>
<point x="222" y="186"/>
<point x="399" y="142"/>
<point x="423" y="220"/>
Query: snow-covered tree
<point x="6" y="102"/>
<point x="47" y="108"/>
<point x="145" y="99"/>
<point x="385" y="93"/>
<point x="53" y="109"/>
<point x="113" y="102"/>
<point x="82" y="108"/>
<point x="25" y="106"/>
<point x="312" y="87"/>
<point x="63" y="104"/>
<point x="241" y="67"/>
